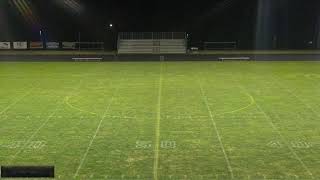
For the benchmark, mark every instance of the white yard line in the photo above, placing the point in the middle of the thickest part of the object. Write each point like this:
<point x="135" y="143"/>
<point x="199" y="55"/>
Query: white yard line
<point x="298" y="98"/>
<point x="304" y="103"/>
<point x="94" y="135"/>
<point x="283" y="139"/>
<point x="205" y="99"/>
<point x="157" y="128"/>
<point x="43" y="124"/>
<point x="34" y="134"/>
<point x="16" y="101"/>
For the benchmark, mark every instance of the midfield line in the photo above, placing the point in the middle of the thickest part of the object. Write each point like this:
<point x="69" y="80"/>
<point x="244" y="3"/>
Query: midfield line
<point x="212" y="116"/>
<point x="157" y="127"/>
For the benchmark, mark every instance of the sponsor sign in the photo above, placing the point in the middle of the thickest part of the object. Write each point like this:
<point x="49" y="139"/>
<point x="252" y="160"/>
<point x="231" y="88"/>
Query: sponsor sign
<point x="36" y="45"/>
<point x="52" y="45"/>
<point x="5" y="45"/>
<point x="68" y="45"/>
<point x="20" y="45"/>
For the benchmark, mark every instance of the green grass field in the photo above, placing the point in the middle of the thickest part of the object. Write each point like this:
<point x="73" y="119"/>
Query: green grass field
<point x="169" y="120"/>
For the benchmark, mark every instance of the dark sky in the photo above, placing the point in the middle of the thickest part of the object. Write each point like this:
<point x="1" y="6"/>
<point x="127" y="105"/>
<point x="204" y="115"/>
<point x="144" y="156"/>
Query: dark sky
<point x="214" y="20"/>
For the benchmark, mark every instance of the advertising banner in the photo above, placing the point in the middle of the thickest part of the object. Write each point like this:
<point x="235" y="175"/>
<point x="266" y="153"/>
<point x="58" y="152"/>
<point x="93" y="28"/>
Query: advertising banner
<point x="20" y="45"/>
<point x="36" y="45"/>
<point x="68" y="45"/>
<point x="52" y="45"/>
<point x="5" y="45"/>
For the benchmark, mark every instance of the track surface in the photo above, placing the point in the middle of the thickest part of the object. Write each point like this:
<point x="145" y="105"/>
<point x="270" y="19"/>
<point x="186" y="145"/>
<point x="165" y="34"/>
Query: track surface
<point x="194" y="57"/>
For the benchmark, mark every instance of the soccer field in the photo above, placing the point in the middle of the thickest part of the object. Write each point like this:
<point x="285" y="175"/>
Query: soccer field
<point x="163" y="120"/>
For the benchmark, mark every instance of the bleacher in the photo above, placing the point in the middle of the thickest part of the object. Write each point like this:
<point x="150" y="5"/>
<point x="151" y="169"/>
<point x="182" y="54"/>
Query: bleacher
<point x="151" y="45"/>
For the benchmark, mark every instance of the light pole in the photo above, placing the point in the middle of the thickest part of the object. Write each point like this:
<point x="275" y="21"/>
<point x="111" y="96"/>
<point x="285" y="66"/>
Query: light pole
<point x="79" y="40"/>
<point x="110" y="39"/>
<point x="42" y="39"/>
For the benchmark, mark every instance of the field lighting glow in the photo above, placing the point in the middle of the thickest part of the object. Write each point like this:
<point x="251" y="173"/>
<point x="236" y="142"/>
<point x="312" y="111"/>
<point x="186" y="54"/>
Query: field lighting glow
<point x="25" y="9"/>
<point x="72" y="6"/>
<point x="160" y="90"/>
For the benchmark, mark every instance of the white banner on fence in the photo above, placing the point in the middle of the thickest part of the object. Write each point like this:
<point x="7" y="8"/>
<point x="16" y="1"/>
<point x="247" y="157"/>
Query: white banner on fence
<point x="5" y="45"/>
<point x="36" y="45"/>
<point x="20" y="45"/>
<point x="52" y="45"/>
<point x="68" y="45"/>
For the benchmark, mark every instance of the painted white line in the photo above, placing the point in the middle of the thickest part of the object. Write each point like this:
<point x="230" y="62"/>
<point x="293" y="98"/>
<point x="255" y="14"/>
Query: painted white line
<point x="42" y="125"/>
<point x="15" y="102"/>
<point x="275" y="128"/>
<point x="157" y="128"/>
<point x="298" y="98"/>
<point x="34" y="134"/>
<point x="94" y="135"/>
<point x="205" y="99"/>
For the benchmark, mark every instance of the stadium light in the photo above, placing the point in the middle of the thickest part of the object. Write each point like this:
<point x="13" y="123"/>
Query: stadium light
<point x="110" y="25"/>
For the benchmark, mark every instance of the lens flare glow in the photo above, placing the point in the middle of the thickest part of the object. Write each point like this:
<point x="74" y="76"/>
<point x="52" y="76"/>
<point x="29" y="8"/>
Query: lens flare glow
<point x="71" y="6"/>
<point x="26" y="11"/>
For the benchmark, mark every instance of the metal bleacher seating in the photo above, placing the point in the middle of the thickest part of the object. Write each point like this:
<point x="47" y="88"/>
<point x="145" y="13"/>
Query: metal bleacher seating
<point x="151" y="45"/>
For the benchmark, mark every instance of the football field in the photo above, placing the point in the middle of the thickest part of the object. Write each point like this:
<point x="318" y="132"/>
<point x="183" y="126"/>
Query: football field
<point x="162" y="120"/>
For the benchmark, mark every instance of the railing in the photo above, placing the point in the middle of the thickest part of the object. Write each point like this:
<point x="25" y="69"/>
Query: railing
<point x="151" y="35"/>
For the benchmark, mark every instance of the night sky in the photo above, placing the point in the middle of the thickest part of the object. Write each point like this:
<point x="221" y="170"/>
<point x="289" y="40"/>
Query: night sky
<point x="293" y="22"/>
